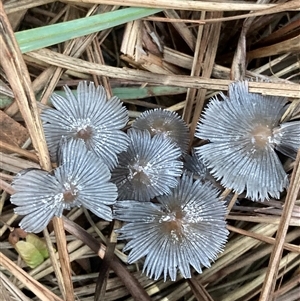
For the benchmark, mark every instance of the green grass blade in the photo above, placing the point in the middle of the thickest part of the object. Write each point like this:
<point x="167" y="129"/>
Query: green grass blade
<point x="131" y="93"/>
<point x="140" y="93"/>
<point x="37" y="38"/>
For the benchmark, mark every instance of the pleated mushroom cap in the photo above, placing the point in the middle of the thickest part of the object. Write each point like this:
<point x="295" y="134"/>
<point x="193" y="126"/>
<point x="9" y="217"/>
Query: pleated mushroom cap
<point x="167" y="123"/>
<point x="186" y="228"/>
<point x="287" y="138"/>
<point x="148" y="168"/>
<point x="244" y="130"/>
<point x="89" y="116"/>
<point x="195" y="165"/>
<point x="82" y="179"/>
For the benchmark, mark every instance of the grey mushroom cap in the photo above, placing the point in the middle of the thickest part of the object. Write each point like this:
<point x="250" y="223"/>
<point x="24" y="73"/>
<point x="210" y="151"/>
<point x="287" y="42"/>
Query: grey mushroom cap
<point x="195" y="165"/>
<point x="82" y="179"/>
<point x="186" y="228"/>
<point x="241" y="152"/>
<point x="167" y="123"/>
<point x="89" y="116"/>
<point x="287" y="138"/>
<point x="150" y="167"/>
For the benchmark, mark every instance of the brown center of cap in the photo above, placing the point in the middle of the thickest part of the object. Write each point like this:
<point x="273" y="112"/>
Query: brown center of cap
<point x="260" y="135"/>
<point x="70" y="194"/>
<point x="173" y="224"/>
<point x="85" y="134"/>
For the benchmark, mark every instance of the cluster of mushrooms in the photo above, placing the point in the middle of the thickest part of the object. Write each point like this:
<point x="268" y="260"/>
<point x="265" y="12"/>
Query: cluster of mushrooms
<point x="172" y="213"/>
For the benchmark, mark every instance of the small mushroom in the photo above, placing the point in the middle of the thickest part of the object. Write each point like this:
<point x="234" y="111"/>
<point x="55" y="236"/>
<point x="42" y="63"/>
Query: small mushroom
<point x="244" y="130"/>
<point x="89" y="116"/>
<point x="82" y="179"/>
<point x="194" y="165"/>
<point x="148" y="168"/>
<point x="186" y="228"/>
<point x="167" y="123"/>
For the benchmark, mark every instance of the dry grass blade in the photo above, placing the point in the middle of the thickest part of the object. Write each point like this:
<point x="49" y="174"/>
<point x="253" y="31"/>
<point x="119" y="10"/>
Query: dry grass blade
<point x="13" y="6"/>
<point x="14" y="291"/>
<point x="279" y="8"/>
<point x="18" y="76"/>
<point x="131" y="283"/>
<point x="38" y="289"/>
<point x="14" y="164"/>
<point x="293" y="191"/>
<point x="255" y="284"/>
<point x="291" y="44"/>
<point x="19" y="79"/>
<point x="262" y="219"/>
<point x="79" y="65"/>
<point x="20" y="151"/>
<point x="70" y="48"/>
<point x="6" y="187"/>
<point x="195" y="71"/>
<point x="64" y="259"/>
<point x="206" y="58"/>
<point x="199" y="291"/>
<point x="182" y="28"/>
<point x="270" y="240"/>
<point x="185" y="5"/>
